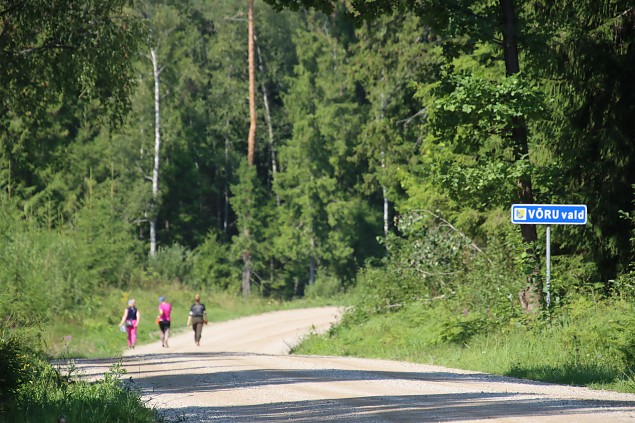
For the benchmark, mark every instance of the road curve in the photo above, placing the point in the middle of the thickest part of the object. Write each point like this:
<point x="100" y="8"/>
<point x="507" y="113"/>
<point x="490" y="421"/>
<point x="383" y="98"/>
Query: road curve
<point x="242" y="373"/>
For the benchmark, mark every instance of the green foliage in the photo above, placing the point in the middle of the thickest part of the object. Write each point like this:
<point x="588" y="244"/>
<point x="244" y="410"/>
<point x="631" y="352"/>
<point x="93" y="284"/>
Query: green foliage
<point x="432" y="260"/>
<point x="474" y="114"/>
<point x="572" y="275"/>
<point x="52" y="50"/>
<point x="325" y="286"/>
<point x="107" y="249"/>
<point x="320" y="215"/>
<point x="15" y="367"/>
<point x="212" y="266"/>
<point x="474" y="117"/>
<point x="171" y="264"/>
<point x="47" y="395"/>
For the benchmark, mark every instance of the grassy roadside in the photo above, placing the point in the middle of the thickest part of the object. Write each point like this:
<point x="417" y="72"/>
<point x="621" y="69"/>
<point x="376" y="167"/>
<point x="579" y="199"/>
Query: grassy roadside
<point x="590" y="345"/>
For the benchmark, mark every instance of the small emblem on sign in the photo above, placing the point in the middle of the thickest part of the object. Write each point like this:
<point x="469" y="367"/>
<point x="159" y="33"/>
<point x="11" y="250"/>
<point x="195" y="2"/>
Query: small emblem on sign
<point x="520" y="213"/>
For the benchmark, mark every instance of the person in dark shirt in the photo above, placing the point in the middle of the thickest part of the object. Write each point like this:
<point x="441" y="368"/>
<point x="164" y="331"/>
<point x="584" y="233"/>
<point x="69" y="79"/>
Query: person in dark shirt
<point x="131" y="317"/>
<point x="197" y="318"/>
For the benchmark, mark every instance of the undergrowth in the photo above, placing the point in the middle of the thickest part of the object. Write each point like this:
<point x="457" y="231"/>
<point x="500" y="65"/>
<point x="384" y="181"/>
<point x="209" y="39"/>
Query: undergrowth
<point x="35" y="391"/>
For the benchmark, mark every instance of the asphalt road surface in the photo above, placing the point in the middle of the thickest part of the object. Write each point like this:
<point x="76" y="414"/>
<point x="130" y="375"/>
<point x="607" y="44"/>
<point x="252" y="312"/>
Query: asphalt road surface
<point x="242" y="372"/>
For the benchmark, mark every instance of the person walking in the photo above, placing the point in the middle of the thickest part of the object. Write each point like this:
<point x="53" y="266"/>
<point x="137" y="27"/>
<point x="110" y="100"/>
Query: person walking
<point x="165" y="309"/>
<point x="197" y="318"/>
<point x="131" y="317"/>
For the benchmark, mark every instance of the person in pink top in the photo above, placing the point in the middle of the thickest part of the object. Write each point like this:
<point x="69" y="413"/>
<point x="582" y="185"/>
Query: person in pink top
<point x="165" y="309"/>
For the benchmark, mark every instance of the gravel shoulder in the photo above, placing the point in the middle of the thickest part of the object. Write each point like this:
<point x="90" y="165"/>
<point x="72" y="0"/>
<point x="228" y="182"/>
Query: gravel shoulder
<point x="242" y="373"/>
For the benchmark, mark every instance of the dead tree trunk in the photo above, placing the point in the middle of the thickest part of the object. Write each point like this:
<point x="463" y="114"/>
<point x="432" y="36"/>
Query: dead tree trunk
<point x="251" y="140"/>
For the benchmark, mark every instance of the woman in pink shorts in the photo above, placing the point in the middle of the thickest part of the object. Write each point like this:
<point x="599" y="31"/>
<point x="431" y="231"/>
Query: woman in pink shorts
<point x="165" y="309"/>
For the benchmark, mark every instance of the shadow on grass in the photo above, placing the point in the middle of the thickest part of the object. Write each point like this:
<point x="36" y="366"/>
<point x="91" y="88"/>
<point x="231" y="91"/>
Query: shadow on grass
<point x="568" y="374"/>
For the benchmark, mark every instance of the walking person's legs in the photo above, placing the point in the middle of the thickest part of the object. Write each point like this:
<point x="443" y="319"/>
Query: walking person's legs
<point x="197" y="326"/>
<point x="129" y="330"/>
<point x="164" y="325"/>
<point x="133" y="335"/>
<point x="197" y="333"/>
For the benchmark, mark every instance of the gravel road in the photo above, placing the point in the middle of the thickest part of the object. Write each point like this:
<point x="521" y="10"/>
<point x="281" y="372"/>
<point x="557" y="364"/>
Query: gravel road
<point x="242" y="373"/>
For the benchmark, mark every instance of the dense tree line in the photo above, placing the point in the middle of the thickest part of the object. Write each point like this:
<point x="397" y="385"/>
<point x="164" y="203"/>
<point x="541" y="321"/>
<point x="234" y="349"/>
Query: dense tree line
<point x="378" y="126"/>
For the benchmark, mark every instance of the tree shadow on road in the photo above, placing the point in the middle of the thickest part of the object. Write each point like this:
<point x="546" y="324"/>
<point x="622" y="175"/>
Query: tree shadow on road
<point x="208" y="373"/>
<point x="408" y="408"/>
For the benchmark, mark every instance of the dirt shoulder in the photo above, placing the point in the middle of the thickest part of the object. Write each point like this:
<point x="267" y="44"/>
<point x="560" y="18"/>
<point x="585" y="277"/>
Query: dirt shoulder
<point x="242" y="373"/>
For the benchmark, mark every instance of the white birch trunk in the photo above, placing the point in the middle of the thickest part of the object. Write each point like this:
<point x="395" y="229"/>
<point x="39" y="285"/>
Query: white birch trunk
<point x="383" y="167"/>
<point x="385" y="196"/>
<point x="226" y="190"/>
<point x="265" y="97"/>
<point x="312" y="264"/>
<point x="157" y="150"/>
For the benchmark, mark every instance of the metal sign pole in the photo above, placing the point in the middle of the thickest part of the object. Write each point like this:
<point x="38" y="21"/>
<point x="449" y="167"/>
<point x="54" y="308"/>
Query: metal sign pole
<point x="548" y="240"/>
<point x="549" y="214"/>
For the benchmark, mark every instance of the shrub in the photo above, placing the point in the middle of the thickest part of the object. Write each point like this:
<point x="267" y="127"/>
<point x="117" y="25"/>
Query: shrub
<point x="325" y="286"/>
<point x="173" y="263"/>
<point x="211" y="265"/>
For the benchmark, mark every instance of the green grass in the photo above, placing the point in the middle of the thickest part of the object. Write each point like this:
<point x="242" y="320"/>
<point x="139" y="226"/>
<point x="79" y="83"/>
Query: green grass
<point x="573" y="353"/>
<point x="49" y="396"/>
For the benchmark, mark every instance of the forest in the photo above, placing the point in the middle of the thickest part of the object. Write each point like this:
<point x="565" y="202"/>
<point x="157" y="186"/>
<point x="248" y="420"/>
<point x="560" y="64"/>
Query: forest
<point x="367" y="151"/>
<point x="350" y="143"/>
<point x="124" y="156"/>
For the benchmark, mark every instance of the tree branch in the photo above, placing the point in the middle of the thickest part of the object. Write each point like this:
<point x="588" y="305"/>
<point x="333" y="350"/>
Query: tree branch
<point x="451" y="226"/>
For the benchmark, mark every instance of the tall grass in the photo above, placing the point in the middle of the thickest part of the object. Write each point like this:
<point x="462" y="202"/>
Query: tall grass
<point x="44" y="394"/>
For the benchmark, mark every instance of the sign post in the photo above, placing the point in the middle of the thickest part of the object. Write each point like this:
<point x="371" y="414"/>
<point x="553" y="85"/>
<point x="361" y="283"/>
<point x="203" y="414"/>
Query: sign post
<point x="549" y="214"/>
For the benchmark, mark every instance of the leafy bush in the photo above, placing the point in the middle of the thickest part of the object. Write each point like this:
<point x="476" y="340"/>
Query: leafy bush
<point x="48" y="395"/>
<point x="173" y="263"/>
<point x="325" y="286"/>
<point x="14" y="366"/>
<point x="211" y="264"/>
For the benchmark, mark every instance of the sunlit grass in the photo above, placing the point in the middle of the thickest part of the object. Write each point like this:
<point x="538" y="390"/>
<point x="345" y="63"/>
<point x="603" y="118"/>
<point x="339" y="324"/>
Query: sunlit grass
<point x="51" y="395"/>
<point x="543" y="354"/>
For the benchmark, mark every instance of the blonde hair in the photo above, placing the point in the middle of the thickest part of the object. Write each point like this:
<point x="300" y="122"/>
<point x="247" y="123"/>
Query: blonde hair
<point x="131" y="302"/>
<point x="197" y="297"/>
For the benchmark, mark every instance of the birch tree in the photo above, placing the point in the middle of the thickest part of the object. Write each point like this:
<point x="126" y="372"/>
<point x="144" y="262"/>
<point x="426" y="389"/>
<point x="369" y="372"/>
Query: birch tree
<point x="156" y="71"/>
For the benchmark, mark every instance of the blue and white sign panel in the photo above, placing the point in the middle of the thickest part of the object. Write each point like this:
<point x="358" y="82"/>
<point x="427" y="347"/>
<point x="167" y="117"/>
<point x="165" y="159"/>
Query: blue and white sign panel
<point x="549" y="214"/>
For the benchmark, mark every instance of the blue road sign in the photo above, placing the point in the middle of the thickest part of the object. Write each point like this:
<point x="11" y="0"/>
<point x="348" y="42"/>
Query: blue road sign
<point x="549" y="214"/>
